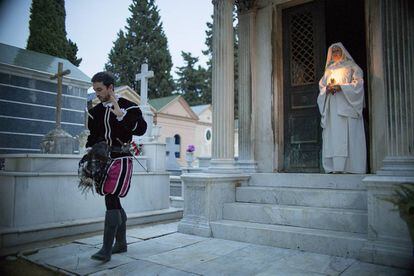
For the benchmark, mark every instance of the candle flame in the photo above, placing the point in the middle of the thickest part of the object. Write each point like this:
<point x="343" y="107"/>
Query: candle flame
<point x="336" y="76"/>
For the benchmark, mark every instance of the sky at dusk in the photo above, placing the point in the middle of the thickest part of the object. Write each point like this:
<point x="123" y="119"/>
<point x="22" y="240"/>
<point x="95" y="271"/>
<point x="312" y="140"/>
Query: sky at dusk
<point x="93" y="25"/>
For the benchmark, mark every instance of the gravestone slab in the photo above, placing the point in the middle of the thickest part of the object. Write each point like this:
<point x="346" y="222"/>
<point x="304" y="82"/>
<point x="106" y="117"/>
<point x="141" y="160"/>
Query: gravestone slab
<point x="97" y="240"/>
<point x="148" y="232"/>
<point x="187" y="257"/>
<point x="246" y="261"/>
<point x="318" y="263"/>
<point x="359" y="268"/>
<point x="82" y="263"/>
<point x="148" y="248"/>
<point x="143" y="268"/>
<point x="180" y="240"/>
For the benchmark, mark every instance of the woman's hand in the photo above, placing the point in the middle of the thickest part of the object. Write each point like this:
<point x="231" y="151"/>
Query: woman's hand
<point x="332" y="89"/>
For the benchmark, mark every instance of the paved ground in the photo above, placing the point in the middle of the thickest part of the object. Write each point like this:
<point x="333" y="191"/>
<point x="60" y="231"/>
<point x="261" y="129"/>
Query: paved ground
<point x="159" y="250"/>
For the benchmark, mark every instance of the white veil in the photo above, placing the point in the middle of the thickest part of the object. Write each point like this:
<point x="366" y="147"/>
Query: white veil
<point x="346" y="56"/>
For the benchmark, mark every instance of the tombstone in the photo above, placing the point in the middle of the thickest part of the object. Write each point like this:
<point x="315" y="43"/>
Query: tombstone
<point x="145" y="108"/>
<point x="171" y="162"/>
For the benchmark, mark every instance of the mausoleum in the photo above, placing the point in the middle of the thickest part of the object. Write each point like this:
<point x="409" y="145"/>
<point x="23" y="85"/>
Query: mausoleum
<point x="276" y="193"/>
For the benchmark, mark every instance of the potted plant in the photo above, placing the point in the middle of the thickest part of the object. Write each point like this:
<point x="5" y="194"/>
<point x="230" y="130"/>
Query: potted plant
<point x="403" y="199"/>
<point x="189" y="155"/>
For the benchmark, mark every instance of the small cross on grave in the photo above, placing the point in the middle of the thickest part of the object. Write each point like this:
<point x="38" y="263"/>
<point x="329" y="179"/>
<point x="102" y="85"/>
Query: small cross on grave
<point x="172" y="150"/>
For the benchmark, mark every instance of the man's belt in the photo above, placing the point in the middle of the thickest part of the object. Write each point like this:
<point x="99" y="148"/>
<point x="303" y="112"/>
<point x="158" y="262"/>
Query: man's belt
<point x="118" y="149"/>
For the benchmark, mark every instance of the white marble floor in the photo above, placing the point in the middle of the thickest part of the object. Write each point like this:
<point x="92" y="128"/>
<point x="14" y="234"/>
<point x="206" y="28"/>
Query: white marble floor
<point x="160" y="250"/>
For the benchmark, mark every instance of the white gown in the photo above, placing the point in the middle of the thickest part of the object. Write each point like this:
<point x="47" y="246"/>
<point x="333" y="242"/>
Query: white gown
<point x="344" y="146"/>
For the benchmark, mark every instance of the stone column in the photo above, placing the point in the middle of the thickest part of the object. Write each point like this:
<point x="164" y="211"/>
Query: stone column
<point x="389" y="241"/>
<point x="223" y="88"/>
<point x="398" y="39"/>
<point x="246" y="16"/>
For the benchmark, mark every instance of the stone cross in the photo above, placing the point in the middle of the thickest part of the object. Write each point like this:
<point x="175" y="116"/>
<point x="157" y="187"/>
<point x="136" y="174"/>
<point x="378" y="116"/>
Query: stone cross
<point x="171" y="150"/>
<point x="59" y="76"/>
<point x="143" y="77"/>
<point x="172" y="147"/>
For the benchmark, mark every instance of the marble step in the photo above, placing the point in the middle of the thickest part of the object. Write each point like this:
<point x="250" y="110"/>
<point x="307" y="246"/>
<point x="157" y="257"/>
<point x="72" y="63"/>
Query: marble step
<point x="346" y="220"/>
<point x="315" y="197"/>
<point x="343" y="244"/>
<point x="309" y="180"/>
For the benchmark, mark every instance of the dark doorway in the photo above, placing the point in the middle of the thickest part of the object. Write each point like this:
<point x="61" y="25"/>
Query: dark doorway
<point x="345" y="22"/>
<point x="308" y="30"/>
<point x="303" y="62"/>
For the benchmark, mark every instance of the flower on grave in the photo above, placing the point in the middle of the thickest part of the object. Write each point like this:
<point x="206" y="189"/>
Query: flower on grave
<point x="190" y="148"/>
<point x="135" y="149"/>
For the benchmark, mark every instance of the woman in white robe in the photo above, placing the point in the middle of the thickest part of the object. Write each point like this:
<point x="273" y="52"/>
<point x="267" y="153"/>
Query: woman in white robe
<point x="340" y="101"/>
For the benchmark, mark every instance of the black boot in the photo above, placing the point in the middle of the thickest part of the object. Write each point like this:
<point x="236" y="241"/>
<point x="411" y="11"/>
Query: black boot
<point x="120" y="241"/>
<point x="112" y="222"/>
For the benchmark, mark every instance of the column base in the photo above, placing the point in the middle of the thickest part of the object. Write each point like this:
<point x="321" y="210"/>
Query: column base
<point x="389" y="241"/>
<point x="194" y="225"/>
<point x="397" y="166"/>
<point x="248" y="166"/>
<point x="204" y="196"/>
<point x="388" y="254"/>
<point x="223" y="166"/>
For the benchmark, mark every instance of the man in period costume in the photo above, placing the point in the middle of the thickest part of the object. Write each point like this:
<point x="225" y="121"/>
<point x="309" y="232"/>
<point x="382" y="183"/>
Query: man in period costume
<point x="112" y="123"/>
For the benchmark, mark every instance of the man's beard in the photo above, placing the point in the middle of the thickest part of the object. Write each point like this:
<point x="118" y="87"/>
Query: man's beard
<point x="103" y="99"/>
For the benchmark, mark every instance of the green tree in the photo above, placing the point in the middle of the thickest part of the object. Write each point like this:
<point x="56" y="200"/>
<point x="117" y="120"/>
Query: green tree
<point x="192" y="83"/>
<point x="48" y="32"/>
<point x="209" y="52"/>
<point x="71" y="52"/>
<point x="143" y="42"/>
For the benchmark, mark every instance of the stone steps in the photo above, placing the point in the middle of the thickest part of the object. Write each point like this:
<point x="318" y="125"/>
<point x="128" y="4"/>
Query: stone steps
<point x="347" y="220"/>
<point x="309" y="180"/>
<point x="336" y="243"/>
<point x="313" y="212"/>
<point x="315" y="197"/>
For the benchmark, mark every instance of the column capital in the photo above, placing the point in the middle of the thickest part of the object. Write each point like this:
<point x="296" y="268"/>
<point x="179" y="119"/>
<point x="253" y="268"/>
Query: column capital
<point x="244" y="6"/>
<point x="216" y="2"/>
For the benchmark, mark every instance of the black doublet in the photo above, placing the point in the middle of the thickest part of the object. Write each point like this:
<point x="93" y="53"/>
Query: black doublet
<point x="104" y="125"/>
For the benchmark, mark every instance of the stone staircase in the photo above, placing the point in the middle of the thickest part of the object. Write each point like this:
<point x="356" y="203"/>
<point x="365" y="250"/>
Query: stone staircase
<point x="320" y="213"/>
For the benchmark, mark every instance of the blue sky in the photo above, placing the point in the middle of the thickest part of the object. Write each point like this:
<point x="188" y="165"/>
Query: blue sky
<point x="94" y="24"/>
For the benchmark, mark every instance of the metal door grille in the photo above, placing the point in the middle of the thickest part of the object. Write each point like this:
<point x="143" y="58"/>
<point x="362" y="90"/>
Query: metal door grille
<point x="302" y="55"/>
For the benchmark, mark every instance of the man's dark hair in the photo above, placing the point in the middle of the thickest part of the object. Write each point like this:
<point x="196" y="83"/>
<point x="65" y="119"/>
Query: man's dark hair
<point x="105" y="77"/>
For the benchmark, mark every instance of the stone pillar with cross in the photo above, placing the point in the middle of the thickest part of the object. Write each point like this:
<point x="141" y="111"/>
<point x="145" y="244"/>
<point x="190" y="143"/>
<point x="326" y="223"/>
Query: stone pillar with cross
<point x="58" y="141"/>
<point x="145" y="108"/>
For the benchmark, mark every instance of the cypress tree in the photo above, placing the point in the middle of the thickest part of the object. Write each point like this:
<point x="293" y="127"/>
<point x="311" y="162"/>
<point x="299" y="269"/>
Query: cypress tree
<point x="71" y="52"/>
<point x="48" y="32"/>
<point x="143" y="42"/>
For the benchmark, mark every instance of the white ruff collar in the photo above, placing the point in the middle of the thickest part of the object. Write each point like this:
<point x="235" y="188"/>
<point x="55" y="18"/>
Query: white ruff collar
<point x="109" y="103"/>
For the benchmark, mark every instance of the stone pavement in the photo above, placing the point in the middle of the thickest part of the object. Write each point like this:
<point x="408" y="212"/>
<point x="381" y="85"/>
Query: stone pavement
<point x="158" y="249"/>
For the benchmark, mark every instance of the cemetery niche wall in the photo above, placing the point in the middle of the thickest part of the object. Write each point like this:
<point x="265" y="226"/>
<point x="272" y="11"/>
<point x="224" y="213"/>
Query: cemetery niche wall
<point x="28" y="99"/>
